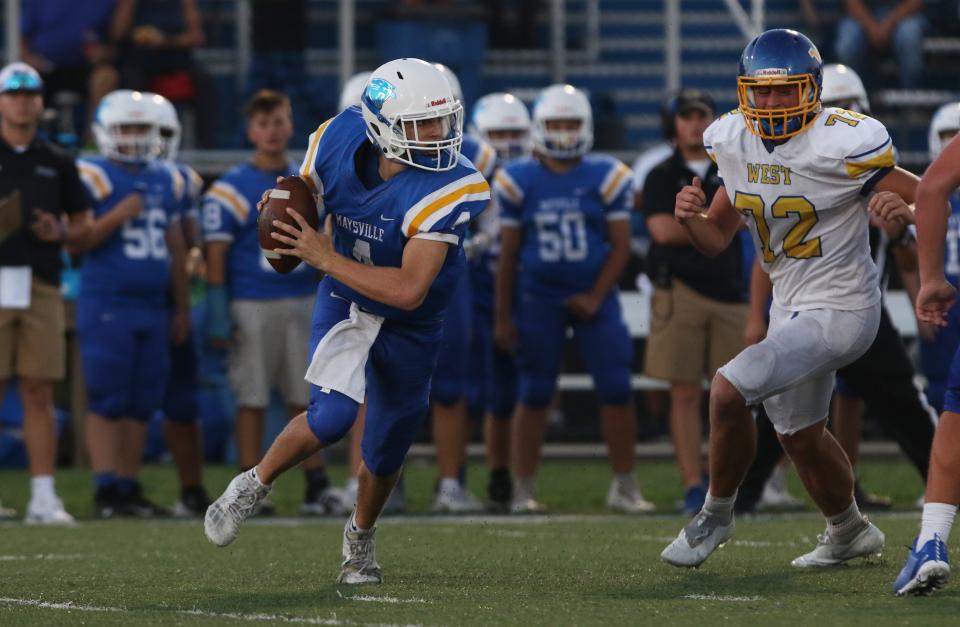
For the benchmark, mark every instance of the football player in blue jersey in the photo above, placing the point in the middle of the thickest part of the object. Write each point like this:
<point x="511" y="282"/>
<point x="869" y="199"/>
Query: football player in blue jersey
<point x="565" y="239"/>
<point x="397" y="202"/>
<point x="263" y="317"/>
<point x="927" y="567"/>
<point x="133" y="257"/>
<point x="180" y="408"/>
<point x="448" y="390"/>
<point x="937" y="349"/>
<point x="501" y="120"/>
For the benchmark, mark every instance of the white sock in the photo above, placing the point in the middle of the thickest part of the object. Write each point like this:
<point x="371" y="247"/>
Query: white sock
<point x="721" y="507"/>
<point x="352" y="484"/>
<point x="253" y="473"/>
<point x="937" y="519"/>
<point x="524" y="488"/>
<point x="352" y="523"/>
<point x="846" y="524"/>
<point x="626" y="483"/>
<point x="448" y="485"/>
<point x="41" y="487"/>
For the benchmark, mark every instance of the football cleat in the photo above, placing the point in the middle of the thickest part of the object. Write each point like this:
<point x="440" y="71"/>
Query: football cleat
<point x="329" y="502"/>
<point x="359" y="557"/>
<point x="829" y="552"/>
<point x="136" y="505"/>
<point x="48" y="511"/>
<point x="698" y="540"/>
<point x="238" y="502"/>
<point x="626" y="498"/>
<point x="193" y="503"/>
<point x="926" y="570"/>
<point x="456" y="500"/>
<point x="527" y="506"/>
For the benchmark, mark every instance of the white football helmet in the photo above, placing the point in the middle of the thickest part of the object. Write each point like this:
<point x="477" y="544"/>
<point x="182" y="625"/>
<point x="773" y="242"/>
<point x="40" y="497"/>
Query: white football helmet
<point x="502" y="112"/>
<point x="165" y="115"/>
<point x="843" y="88"/>
<point x="399" y="97"/>
<point x="353" y="89"/>
<point x="946" y="119"/>
<point x="562" y="102"/>
<point x="452" y="79"/>
<point x="125" y="108"/>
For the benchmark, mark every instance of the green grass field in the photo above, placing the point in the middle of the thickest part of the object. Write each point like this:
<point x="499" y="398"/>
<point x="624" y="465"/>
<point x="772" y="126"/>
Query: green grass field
<point x="580" y="565"/>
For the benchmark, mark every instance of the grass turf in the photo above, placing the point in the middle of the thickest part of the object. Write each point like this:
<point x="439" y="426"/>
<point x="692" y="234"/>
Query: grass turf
<point x="586" y="567"/>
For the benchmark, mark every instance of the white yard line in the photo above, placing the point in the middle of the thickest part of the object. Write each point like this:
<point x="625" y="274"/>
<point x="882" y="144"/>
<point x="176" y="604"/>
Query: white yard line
<point x="70" y="606"/>
<point x="721" y="598"/>
<point x="375" y="599"/>
<point x="39" y="556"/>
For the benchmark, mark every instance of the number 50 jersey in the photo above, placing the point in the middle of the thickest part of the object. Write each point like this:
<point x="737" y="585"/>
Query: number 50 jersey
<point x="564" y="220"/>
<point x="805" y="201"/>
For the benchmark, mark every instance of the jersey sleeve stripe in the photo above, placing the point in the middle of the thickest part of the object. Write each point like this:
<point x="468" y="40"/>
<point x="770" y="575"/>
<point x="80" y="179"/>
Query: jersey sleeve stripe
<point x="230" y="199"/>
<point x="613" y="184"/>
<point x="443" y="201"/>
<point x="307" y="168"/>
<point x="618" y="215"/>
<point x="869" y="152"/>
<point x="505" y="184"/>
<point x="485" y="161"/>
<point x="445" y="205"/>
<point x="96" y="179"/>
<point x="448" y="238"/>
<point x="179" y="185"/>
<point x="884" y="160"/>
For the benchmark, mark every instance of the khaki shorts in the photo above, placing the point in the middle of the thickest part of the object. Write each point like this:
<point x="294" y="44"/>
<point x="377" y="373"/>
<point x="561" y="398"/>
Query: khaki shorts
<point x="691" y="335"/>
<point x="271" y="350"/>
<point x="32" y="341"/>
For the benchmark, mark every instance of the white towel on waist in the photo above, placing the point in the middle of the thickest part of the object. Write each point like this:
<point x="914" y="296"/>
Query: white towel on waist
<point x="340" y="359"/>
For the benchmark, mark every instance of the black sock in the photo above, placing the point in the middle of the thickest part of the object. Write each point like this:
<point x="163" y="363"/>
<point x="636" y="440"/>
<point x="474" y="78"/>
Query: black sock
<point x="317" y="482"/>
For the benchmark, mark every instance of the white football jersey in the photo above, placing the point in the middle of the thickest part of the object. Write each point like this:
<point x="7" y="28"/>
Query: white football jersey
<point x="806" y="203"/>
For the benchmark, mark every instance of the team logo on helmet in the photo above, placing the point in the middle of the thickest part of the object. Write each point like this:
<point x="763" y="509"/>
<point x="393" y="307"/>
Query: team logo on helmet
<point x="378" y="92"/>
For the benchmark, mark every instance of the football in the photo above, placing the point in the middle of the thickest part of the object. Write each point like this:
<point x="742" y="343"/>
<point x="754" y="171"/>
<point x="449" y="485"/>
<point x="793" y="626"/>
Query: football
<point x="291" y="192"/>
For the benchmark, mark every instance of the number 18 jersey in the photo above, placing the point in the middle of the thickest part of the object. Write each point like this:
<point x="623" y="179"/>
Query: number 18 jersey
<point x="564" y="220"/>
<point x="805" y="201"/>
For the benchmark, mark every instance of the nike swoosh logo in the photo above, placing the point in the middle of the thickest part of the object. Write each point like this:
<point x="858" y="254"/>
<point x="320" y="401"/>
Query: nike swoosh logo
<point x="335" y="295"/>
<point x="386" y="219"/>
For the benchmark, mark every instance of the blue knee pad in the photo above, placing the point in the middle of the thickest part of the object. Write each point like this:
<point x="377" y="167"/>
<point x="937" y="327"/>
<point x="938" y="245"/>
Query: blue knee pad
<point x="385" y="445"/>
<point x="330" y="414"/>
<point x="536" y="389"/>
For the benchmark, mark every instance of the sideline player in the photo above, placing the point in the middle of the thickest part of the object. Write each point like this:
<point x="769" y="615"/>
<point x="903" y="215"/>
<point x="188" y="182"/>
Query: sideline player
<point x="801" y="174"/>
<point x="927" y="566"/>
<point x="398" y="203"/>
<point x="503" y="121"/>
<point x="133" y="257"/>
<point x="565" y="239"/>
<point x="263" y="317"/>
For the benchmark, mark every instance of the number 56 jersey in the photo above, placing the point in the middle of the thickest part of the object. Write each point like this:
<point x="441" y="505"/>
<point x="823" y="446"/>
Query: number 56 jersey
<point x="805" y="201"/>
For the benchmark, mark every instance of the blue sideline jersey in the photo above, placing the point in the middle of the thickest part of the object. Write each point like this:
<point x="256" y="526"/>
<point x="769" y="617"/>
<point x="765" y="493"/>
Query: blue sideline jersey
<point x="133" y="264"/>
<point x="230" y="215"/>
<point x="564" y="220"/>
<point x="192" y="190"/>
<point x="481" y="155"/>
<point x="372" y="226"/>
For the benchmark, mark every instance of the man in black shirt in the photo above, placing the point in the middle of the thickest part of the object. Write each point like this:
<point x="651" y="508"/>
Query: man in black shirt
<point x="698" y="309"/>
<point x="39" y="185"/>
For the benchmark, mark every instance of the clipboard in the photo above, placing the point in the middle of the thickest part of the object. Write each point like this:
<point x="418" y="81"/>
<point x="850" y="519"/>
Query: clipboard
<point x="11" y="215"/>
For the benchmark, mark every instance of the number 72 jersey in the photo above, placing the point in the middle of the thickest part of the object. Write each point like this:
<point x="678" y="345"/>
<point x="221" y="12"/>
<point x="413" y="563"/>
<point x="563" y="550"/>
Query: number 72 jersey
<point x="805" y="201"/>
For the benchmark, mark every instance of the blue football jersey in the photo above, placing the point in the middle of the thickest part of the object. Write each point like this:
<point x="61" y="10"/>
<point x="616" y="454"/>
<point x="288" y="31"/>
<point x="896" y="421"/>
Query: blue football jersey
<point x="936" y="357"/>
<point x="372" y="226"/>
<point x="133" y="264"/>
<point x="481" y="155"/>
<point x="192" y="190"/>
<point x="564" y="220"/>
<point x="230" y="215"/>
